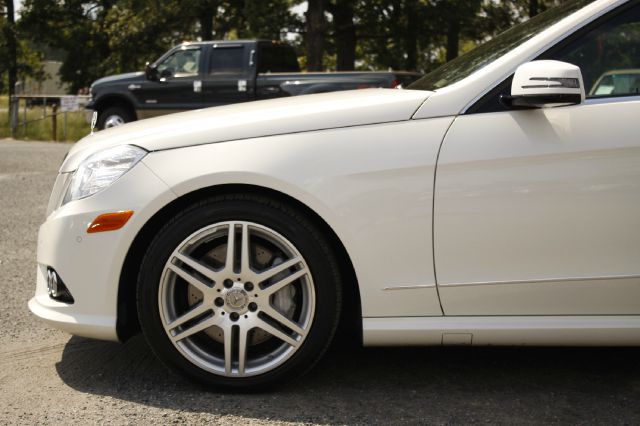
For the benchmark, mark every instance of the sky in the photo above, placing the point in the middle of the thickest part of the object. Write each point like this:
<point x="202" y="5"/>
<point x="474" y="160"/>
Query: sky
<point x="17" y="5"/>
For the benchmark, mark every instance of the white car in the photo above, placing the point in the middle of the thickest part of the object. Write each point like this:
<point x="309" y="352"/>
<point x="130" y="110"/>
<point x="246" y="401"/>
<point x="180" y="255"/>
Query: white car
<point x="491" y="204"/>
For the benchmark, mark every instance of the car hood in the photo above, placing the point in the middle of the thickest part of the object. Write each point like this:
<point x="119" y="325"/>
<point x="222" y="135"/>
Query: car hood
<point x="123" y="78"/>
<point x="255" y="119"/>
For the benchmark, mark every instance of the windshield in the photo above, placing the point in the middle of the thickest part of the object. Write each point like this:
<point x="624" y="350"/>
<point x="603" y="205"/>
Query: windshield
<point x="488" y="52"/>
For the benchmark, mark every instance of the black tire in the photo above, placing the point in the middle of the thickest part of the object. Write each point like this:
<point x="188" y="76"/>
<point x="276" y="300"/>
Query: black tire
<point x="124" y="114"/>
<point x="287" y="222"/>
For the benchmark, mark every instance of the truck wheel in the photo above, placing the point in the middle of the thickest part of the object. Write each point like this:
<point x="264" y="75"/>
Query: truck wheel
<point x="114" y="116"/>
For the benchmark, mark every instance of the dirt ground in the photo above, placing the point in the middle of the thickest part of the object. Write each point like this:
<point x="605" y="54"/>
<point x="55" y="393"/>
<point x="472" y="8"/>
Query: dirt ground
<point x="47" y="376"/>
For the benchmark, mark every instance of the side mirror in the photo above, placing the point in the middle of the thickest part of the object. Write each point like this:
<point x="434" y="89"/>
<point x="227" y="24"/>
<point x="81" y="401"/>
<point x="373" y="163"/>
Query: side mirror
<point x="151" y="72"/>
<point x="544" y="84"/>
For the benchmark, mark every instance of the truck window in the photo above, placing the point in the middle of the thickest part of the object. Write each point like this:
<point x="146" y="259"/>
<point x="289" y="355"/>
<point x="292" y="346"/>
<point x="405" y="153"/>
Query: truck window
<point x="277" y="58"/>
<point x="226" y="60"/>
<point x="181" y="63"/>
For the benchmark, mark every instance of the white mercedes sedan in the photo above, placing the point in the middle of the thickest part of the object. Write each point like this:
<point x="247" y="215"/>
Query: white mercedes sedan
<point x="491" y="203"/>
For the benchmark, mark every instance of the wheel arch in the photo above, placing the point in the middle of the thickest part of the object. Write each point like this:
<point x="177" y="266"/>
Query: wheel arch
<point x="114" y="100"/>
<point x="127" y="323"/>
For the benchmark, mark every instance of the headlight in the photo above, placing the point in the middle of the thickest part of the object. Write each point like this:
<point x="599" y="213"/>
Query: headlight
<point x="101" y="169"/>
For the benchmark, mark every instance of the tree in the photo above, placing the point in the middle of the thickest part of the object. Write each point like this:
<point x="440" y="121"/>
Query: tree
<point x="267" y="19"/>
<point x="344" y="32"/>
<point x="215" y="19"/>
<point x="3" y="51"/>
<point x="206" y="10"/>
<point x="458" y="18"/>
<point x="410" y="33"/>
<point x="139" y="31"/>
<point x="75" y="27"/>
<point x="397" y="34"/>
<point x="11" y="50"/>
<point x="314" y="37"/>
<point x="102" y="37"/>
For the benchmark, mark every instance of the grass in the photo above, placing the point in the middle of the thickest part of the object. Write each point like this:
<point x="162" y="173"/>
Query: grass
<point x="41" y="129"/>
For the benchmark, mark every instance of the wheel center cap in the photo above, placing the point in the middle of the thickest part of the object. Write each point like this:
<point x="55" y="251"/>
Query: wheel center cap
<point x="236" y="298"/>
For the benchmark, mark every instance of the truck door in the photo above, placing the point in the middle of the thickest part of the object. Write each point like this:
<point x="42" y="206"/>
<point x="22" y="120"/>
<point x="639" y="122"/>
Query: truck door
<point x="228" y="75"/>
<point x="179" y="84"/>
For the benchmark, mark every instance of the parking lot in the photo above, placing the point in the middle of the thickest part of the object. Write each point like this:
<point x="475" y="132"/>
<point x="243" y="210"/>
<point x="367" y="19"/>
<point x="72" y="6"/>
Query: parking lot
<point x="47" y="376"/>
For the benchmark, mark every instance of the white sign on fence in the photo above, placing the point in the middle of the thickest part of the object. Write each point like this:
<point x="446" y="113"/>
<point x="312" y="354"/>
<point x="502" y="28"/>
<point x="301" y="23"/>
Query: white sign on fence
<point x="69" y="104"/>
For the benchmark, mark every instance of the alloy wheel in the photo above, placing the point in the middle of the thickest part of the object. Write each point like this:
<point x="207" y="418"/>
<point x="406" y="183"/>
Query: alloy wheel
<point x="236" y="299"/>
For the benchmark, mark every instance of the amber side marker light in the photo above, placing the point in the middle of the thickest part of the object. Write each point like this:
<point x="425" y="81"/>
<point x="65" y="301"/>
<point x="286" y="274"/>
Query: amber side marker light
<point x="109" y="221"/>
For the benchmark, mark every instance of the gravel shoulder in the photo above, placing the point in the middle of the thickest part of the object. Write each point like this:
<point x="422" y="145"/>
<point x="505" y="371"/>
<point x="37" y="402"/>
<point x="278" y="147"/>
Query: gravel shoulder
<point x="49" y="377"/>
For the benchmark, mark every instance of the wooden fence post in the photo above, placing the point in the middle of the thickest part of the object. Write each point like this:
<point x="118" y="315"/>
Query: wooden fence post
<point x="14" y="106"/>
<point x="54" y="123"/>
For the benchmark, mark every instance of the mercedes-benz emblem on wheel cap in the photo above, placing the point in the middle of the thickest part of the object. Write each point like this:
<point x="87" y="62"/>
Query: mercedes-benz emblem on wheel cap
<point x="236" y="298"/>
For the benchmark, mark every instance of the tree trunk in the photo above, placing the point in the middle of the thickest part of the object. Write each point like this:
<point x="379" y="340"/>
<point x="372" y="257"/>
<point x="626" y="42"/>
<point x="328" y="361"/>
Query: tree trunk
<point x="411" y="36"/>
<point x="534" y="8"/>
<point x="453" y="38"/>
<point x="345" y="34"/>
<point x="12" y="50"/>
<point x="315" y="35"/>
<point x="206" y="24"/>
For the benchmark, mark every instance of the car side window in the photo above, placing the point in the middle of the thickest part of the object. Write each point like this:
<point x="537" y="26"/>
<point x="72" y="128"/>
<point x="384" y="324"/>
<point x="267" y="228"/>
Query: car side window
<point x="181" y="63"/>
<point x="608" y="56"/>
<point x="226" y="60"/>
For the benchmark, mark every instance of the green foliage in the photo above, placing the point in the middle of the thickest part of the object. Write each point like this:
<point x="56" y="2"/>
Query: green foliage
<point x="29" y="60"/>
<point x="139" y="31"/>
<point x="269" y="19"/>
<point x="102" y="37"/>
<point x="72" y="26"/>
<point x="113" y="36"/>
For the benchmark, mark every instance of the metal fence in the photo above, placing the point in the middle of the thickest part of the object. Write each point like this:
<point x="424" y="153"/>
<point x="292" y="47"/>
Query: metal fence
<point x="57" y="104"/>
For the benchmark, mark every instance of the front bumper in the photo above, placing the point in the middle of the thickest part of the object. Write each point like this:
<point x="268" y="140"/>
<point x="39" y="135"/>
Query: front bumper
<point x="90" y="264"/>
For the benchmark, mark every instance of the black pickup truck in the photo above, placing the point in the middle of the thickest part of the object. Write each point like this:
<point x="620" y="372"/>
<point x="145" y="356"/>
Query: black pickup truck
<point x="211" y="73"/>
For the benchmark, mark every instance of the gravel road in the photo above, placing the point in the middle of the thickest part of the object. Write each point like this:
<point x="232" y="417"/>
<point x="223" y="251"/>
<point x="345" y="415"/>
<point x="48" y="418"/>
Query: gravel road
<point x="49" y="377"/>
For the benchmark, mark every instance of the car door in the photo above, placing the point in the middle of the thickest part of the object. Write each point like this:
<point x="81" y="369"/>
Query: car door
<point x="537" y="212"/>
<point x="179" y="86"/>
<point x="228" y="75"/>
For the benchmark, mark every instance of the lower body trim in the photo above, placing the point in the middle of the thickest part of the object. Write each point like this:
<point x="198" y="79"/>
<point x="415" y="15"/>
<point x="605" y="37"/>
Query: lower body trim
<point x="504" y="330"/>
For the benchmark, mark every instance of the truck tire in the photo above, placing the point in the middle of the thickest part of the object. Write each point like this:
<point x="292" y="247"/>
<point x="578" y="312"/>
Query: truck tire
<point x="114" y="116"/>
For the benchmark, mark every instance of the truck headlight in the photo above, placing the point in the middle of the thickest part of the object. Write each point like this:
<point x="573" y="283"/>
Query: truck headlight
<point x="100" y="170"/>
